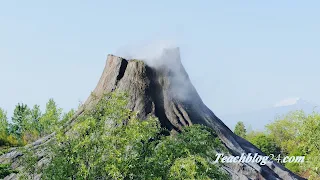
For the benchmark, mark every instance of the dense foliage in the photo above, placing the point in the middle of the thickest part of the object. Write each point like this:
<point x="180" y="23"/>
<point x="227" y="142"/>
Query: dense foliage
<point x="109" y="142"/>
<point x="295" y="134"/>
<point x="264" y="142"/>
<point x="5" y="170"/>
<point x="3" y="128"/>
<point x="29" y="124"/>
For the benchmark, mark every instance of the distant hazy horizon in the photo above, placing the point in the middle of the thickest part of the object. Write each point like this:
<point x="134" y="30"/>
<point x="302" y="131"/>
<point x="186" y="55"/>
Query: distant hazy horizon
<point x="240" y="56"/>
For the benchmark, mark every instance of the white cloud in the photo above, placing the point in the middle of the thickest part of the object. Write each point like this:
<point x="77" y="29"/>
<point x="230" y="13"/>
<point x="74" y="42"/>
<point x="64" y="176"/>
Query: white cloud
<point x="287" y="102"/>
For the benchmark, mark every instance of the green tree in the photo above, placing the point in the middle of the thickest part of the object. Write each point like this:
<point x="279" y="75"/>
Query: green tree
<point x="285" y="130"/>
<point x="3" y="127"/>
<point x="51" y="118"/>
<point x="298" y="134"/>
<point x="264" y="142"/>
<point x="21" y="119"/>
<point x="187" y="155"/>
<point x="240" y="129"/>
<point x="67" y="116"/>
<point x="310" y="143"/>
<point x="32" y="127"/>
<point x="35" y="118"/>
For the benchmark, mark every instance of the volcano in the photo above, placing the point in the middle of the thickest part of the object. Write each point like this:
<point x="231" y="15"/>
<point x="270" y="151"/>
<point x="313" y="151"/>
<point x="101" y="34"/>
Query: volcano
<point x="162" y="88"/>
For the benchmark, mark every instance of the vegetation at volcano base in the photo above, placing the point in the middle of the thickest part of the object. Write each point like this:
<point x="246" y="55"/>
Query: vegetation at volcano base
<point x="110" y="142"/>
<point x="294" y="134"/>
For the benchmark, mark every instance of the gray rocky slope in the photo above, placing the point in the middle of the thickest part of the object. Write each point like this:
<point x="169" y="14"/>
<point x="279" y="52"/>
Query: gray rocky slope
<point x="163" y="88"/>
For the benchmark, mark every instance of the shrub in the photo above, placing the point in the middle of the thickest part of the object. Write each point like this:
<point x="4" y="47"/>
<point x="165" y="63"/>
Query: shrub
<point x="6" y="170"/>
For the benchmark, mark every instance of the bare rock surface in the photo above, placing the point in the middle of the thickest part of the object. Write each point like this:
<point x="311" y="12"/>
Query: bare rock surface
<point x="166" y="91"/>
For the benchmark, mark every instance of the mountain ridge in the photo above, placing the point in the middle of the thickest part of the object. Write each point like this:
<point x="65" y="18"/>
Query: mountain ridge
<point x="258" y="118"/>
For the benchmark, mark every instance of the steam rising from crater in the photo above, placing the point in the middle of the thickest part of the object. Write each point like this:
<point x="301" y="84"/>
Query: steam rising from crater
<point x="151" y="53"/>
<point x="165" y="57"/>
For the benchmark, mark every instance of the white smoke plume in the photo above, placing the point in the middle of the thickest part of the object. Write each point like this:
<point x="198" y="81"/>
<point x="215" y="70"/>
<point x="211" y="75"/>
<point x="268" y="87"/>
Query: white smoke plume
<point x="150" y="53"/>
<point x="161" y="54"/>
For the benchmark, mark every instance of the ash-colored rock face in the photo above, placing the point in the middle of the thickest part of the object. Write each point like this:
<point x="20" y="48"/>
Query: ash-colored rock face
<point x="165" y="91"/>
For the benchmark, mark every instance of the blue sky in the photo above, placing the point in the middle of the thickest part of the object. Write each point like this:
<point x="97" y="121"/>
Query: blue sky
<point x="240" y="55"/>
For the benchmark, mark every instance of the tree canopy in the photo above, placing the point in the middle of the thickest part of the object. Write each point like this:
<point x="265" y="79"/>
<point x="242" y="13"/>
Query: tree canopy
<point x="293" y="134"/>
<point x="110" y="142"/>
